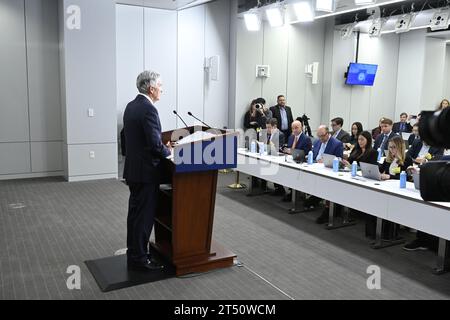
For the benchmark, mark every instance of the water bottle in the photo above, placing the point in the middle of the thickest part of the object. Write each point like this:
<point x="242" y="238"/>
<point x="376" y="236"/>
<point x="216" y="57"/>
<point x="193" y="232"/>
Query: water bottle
<point x="354" y="168"/>
<point x="253" y="147"/>
<point x="262" y="148"/>
<point x="379" y="154"/>
<point x="403" y="180"/>
<point x="336" y="165"/>
<point x="310" y="157"/>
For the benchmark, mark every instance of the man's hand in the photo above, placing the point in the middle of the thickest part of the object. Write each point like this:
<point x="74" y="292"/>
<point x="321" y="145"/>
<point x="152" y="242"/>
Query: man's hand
<point x="320" y="161"/>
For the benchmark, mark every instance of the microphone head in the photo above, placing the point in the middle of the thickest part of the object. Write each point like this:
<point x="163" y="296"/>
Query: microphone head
<point x="190" y="113"/>
<point x="175" y="112"/>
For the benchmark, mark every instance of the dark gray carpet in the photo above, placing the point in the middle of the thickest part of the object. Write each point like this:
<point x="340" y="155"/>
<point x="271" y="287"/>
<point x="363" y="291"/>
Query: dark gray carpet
<point x="47" y="225"/>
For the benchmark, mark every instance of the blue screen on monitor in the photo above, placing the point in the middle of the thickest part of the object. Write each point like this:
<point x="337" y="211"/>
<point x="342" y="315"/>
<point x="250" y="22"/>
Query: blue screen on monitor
<point x="361" y="74"/>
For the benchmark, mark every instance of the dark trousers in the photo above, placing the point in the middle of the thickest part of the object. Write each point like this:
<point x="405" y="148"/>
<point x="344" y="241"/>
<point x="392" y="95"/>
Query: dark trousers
<point x="389" y="229"/>
<point x="141" y="214"/>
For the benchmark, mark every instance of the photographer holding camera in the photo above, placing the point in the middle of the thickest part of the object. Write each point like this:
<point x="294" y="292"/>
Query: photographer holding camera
<point x="434" y="129"/>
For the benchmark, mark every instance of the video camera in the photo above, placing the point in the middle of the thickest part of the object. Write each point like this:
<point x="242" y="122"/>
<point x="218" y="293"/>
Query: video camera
<point x="434" y="129"/>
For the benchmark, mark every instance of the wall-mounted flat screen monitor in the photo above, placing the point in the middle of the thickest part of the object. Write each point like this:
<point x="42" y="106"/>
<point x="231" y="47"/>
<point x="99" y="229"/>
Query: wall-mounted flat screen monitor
<point x="361" y="74"/>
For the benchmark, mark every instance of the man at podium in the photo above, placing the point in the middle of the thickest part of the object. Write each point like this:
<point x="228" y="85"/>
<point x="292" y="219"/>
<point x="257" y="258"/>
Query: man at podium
<point x="145" y="150"/>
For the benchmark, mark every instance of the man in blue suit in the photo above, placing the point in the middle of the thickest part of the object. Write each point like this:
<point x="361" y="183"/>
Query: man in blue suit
<point x="298" y="140"/>
<point x="326" y="144"/>
<point x="329" y="145"/>
<point x="382" y="141"/>
<point x="144" y="151"/>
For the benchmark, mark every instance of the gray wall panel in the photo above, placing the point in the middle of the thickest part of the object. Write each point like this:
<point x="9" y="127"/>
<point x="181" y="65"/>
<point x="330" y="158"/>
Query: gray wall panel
<point x="43" y="69"/>
<point x="14" y="124"/>
<point x="46" y="156"/>
<point x="14" y="158"/>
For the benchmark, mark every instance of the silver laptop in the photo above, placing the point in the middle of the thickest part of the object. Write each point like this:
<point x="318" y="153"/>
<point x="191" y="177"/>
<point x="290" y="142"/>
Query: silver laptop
<point x="328" y="160"/>
<point x="370" y="171"/>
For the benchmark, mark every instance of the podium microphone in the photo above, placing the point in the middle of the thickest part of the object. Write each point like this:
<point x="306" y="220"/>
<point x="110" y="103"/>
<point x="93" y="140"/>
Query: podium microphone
<point x="191" y="115"/>
<point x="176" y="113"/>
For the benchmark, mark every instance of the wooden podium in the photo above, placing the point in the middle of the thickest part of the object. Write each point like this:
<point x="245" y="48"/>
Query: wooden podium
<point x="185" y="212"/>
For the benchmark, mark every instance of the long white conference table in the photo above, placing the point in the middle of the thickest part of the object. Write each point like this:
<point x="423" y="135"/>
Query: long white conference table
<point x="382" y="199"/>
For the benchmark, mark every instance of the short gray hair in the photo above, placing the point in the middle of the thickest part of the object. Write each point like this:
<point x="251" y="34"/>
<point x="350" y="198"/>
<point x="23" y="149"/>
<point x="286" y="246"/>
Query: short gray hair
<point x="146" y="80"/>
<point x="323" y="126"/>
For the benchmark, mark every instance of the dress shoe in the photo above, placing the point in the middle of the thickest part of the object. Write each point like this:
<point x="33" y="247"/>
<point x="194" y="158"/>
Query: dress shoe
<point x="145" y="266"/>
<point x="287" y="197"/>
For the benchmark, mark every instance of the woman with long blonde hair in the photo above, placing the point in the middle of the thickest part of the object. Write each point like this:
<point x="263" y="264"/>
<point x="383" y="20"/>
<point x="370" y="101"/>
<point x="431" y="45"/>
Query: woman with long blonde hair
<point x="396" y="160"/>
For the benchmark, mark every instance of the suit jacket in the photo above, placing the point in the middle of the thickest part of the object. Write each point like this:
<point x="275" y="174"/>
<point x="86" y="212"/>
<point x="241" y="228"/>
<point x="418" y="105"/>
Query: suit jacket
<point x="304" y="143"/>
<point x="334" y="147"/>
<point x="396" y="127"/>
<point x="417" y="145"/>
<point x="143" y="143"/>
<point x="278" y="139"/>
<point x="277" y="114"/>
<point x="380" y="138"/>
<point x="343" y="136"/>
<point x="411" y="139"/>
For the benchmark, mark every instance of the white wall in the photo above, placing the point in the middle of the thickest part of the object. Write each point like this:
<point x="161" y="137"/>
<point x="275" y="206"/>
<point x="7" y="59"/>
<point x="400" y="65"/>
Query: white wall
<point x="410" y="72"/>
<point x="160" y="31"/>
<point x="287" y="50"/>
<point x="89" y="81"/>
<point x="433" y="78"/>
<point x="446" y="90"/>
<point x="175" y="44"/>
<point x="130" y="54"/>
<point x="360" y="103"/>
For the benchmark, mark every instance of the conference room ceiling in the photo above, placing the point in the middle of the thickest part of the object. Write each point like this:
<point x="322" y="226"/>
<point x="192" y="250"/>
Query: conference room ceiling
<point x="164" y="4"/>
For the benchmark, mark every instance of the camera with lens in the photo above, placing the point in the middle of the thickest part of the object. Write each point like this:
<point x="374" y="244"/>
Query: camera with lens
<point x="305" y="121"/>
<point x="434" y="129"/>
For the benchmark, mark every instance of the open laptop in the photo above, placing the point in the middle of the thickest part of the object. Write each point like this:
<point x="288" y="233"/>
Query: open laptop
<point x="328" y="160"/>
<point x="370" y="171"/>
<point x="298" y="156"/>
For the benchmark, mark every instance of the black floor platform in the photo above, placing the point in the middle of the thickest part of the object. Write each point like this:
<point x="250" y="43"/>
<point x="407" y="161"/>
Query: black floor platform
<point x="112" y="273"/>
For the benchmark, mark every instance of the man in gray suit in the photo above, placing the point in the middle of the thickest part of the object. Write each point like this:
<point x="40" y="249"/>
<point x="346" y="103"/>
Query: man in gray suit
<point x="338" y="132"/>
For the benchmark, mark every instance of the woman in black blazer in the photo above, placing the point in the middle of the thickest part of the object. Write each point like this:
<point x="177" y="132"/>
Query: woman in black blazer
<point x="397" y="160"/>
<point x="363" y="151"/>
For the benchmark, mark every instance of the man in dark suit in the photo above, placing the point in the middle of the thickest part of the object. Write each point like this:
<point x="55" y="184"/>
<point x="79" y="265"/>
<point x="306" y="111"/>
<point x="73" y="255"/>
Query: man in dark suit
<point x="298" y="140"/>
<point x="420" y="152"/>
<point x="283" y="114"/>
<point x="414" y="135"/>
<point x="145" y="150"/>
<point x="326" y="144"/>
<point x="339" y="133"/>
<point x="386" y="135"/>
<point x="403" y="125"/>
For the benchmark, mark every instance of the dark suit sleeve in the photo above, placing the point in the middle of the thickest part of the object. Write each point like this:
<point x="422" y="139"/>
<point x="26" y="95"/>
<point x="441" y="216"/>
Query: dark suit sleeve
<point x="373" y="157"/>
<point x="247" y="121"/>
<point x="339" y="150"/>
<point x="282" y="138"/>
<point x="151" y="125"/>
<point x="413" y="152"/>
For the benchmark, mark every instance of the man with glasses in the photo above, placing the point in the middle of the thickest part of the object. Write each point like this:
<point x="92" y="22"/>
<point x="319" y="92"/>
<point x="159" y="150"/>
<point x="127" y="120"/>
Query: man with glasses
<point x="329" y="145"/>
<point x="145" y="150"/>
<point x="339" y="133"/>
